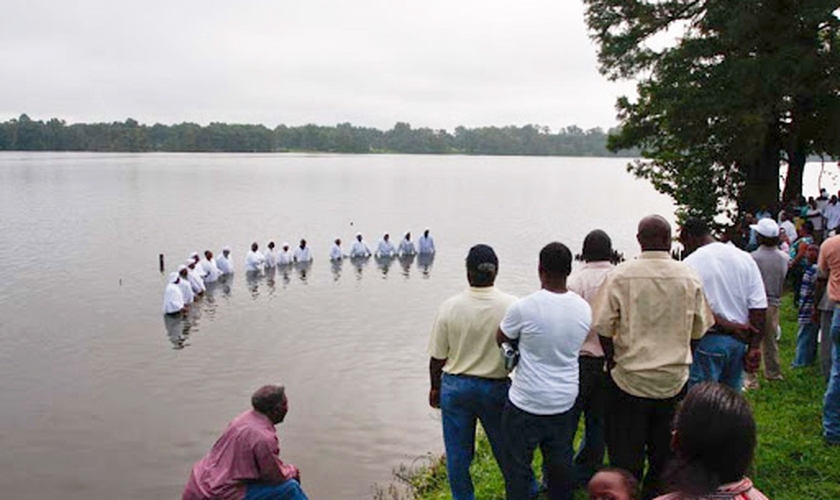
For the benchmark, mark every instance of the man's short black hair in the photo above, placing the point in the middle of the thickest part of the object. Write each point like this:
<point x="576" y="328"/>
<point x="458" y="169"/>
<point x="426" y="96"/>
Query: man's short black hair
<point x="597" y="246"/>
<point x="694" y="226"/>
<point x="483" y="264"/>
<point x="556" y="259"/>
<point x="267" y="398"/>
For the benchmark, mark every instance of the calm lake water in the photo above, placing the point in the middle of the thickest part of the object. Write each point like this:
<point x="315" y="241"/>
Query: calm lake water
<point x="102" y="399"/>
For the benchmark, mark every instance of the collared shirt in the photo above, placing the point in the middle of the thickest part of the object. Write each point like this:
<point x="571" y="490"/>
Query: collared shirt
<point x="360" y="249"/>
<point x="302" y="254"/>
<point x="385" y="249"/>
<point x="731" y="280"/>
<point x="224" y="264"/>
<point x="829" y="262"/>
<point x="806" y="294"/>
<point x="464" y="332"/>
<point x="773" y="265"/>
<point x="652" y="308"/>
<point x="425" y="244"/>
<point x="407" y="247"/>
<point x="248" y="450"/>
<point x="173" y="299"/>
<point x="586" y="282"/>
<point x="254" y="260"/>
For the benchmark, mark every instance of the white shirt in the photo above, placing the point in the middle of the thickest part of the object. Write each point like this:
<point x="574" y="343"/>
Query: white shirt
<point x="336" y="253"/>
<point x="302" y="254"/>
<point x="360" y="249"/>
<point x="270" y="258"/>
<point x="731" y="280"/>
<point x="211" y="270"/>
<point x="254" y="260"/>
<point x="186" y="289"/>
<point x="426" y="244"/>
<point x="551" y="328"/>
<point x="407" y="247"/>
<point x="284" y="258"/>
<point x="196" y="282"/>
<point x="173" y="299"/>
<point x="385" y="249"/>
<point x="815" y="216"/>
<point x="224" y="264"/>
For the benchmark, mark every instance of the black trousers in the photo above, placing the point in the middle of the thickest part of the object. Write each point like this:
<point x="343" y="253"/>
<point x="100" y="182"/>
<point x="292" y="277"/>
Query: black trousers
<point x="639" y="428"/>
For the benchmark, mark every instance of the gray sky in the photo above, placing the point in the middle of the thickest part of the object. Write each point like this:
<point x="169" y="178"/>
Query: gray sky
<point x="431" y="63"/>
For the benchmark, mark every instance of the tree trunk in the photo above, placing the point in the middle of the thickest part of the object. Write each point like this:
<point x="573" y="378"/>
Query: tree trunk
<point x="761" y="187"/>
<point x="796" y="168"/>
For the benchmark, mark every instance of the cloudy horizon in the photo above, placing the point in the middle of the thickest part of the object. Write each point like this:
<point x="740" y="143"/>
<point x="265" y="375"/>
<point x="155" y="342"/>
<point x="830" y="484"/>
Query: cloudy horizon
<point x="371" y="63"/>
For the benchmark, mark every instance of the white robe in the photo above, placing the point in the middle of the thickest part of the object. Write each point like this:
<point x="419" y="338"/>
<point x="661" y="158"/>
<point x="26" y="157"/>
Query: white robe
<point x="211" y="270"/>
<point x="254" y="260"/>
<point x="270" y="258"/>
<point x="385" y="249"/>
<point x="302" y="254"/>
<point x="407" y="247"/>
<point x="360" y="249"/>
<point x="186" y="290"/>
<point x="426" y="245"/>
<point x="285" y="258"/>
<point x="173" y="299"/>
<point x="336" y="253"/>
<point x="196" y="282"/>
<point x="224" y="264"/>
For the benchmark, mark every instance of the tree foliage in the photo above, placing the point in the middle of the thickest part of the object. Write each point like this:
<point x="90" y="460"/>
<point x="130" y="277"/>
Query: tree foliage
<point x="26" y="134"/>
<point x="741" y="87"/>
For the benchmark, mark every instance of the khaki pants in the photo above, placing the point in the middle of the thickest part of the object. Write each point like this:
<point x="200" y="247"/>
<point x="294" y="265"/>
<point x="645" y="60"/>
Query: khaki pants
<point x="769" y="350"/>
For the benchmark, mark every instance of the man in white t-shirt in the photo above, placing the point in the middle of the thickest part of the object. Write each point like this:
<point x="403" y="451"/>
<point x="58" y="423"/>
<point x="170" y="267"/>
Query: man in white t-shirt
<point x="548" y="327"/>
<point x="735" y="291"/>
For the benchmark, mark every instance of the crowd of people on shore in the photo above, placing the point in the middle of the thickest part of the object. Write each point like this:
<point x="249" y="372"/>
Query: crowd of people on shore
<point x="651" y="353"/>
<point x="192" y="278"/>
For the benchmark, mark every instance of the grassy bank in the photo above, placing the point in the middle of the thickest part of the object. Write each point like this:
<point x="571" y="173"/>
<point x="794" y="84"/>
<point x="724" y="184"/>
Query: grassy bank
<point x="792" y="463"/>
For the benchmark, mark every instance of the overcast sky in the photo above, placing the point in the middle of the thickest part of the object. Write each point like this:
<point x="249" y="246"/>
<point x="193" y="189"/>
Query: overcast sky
<point x="431" y="63"/>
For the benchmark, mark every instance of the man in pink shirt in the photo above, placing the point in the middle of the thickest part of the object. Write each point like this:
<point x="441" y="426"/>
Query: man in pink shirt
<point x="244" y="464"/>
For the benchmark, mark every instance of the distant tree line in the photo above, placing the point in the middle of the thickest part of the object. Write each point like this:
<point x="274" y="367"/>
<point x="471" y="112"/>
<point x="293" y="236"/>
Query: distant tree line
<point x="25" y="134"/>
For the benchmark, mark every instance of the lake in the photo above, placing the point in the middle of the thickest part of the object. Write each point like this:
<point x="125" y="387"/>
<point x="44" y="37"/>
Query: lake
<point x="102" y="398"/>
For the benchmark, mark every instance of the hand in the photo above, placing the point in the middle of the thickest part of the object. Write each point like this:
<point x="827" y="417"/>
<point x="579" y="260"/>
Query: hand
<point x="434" y="398"/>
<point x="752" y="359"/>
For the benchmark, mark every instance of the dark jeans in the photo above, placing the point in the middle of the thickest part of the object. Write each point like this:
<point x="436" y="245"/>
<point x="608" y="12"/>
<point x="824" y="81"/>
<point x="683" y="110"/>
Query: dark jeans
<point x="638" y="428"/>
<point x="523" y="433"/>
<point x="590" y="402"/>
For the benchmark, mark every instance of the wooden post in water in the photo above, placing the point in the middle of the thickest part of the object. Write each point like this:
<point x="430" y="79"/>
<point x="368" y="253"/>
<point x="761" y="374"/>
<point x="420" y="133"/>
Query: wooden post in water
<point x="160" y="257"/>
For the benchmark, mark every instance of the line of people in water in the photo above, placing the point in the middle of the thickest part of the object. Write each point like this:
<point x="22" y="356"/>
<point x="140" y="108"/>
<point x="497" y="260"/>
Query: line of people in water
<point x="192" y="277"/>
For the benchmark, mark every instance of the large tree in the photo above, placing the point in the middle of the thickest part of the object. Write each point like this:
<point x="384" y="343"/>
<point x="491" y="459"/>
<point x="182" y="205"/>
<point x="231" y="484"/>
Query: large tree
<point x="727" y="91"/>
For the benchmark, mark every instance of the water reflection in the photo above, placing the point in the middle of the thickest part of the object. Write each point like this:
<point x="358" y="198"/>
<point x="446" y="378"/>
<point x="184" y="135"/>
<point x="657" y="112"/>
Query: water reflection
<point x="405" y="262"/>
<point x="285" y="271"/>
<point x="252" y="281"/>
<point x="335" y="267"/>
<point x="225" y="283"/>
<point x="384" y="265"/>
<point x="177" y="329"/>
<point x="359" y="265"/>
<point x="270" y="274"/>
<point x="303" y="269"/>
<point x="424" y="263"/>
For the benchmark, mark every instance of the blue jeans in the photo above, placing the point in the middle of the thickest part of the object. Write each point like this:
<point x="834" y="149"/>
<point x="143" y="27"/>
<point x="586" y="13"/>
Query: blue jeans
<point x="524" y="432"/>
<point x="718" y="358"/>
<point x="590" y="402"/>
<point x="463" y="400"/>
<point x="831" y="406"/>
<point x="806" y="345"/>
<point x="288" y="490"/>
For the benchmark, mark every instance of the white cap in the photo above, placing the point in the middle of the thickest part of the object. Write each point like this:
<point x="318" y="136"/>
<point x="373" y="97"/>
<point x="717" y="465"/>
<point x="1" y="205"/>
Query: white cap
<point x="225" y="248"/>
<point x="766" y="227"/>
<point x="182" y="268"/>
<point x="194" y="255"/>
<point x="285" y="244"/>
<point x="173" y="277"/>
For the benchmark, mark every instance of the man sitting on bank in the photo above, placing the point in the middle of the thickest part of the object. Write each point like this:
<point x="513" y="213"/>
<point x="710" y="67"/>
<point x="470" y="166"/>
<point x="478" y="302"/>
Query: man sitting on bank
<point x="244" y="463"/>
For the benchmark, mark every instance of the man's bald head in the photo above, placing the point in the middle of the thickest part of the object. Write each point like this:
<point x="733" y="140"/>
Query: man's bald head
<point x="654" y="234"/>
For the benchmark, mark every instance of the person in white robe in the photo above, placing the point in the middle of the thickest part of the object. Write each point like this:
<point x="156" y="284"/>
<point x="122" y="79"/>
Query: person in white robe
<point x="199" y="269"/>
<point x="426" y="244"/>
<point x="336" y="253"/>
<point x="211" y="270"/>
<point x="285" y="256"/>
<point x="196" y="281"/>
<point x="224" y="262"/>
<point x="385" y="248"/>
<point x="406" y="245"/>
<point x="173" y="298"/>
<point x="360" y="248"/>
<point x="270" y="256"/>
<point x="254" y="260"/>
<point x="302" y="253"/>
<point x="184" y="285"/>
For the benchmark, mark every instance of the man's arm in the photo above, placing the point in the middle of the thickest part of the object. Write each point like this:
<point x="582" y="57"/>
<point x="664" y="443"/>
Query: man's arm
<point x="752" y="360"/>
<point x="272" y="469"/>
<point x="435" y="375"/>
<point x="609" y="350"/>
<point x="819" y="291"/>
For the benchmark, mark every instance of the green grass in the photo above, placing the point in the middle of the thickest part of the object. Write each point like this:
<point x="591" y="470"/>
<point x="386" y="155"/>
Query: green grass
<point x="792" y="462"/>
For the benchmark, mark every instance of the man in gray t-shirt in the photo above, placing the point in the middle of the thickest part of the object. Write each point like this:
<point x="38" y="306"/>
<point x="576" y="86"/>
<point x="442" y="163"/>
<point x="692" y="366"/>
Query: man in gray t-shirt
<point x="773" y="264"/>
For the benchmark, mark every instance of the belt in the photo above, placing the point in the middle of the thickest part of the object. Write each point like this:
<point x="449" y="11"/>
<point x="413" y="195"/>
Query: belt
<point x="504" y="379"/>
<point x="740" y="337"/>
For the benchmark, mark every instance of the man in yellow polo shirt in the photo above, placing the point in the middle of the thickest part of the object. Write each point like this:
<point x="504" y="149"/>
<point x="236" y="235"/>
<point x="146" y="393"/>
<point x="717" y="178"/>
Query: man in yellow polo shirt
<point x="648" y="314"/>
<point x="469" y="381"/>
